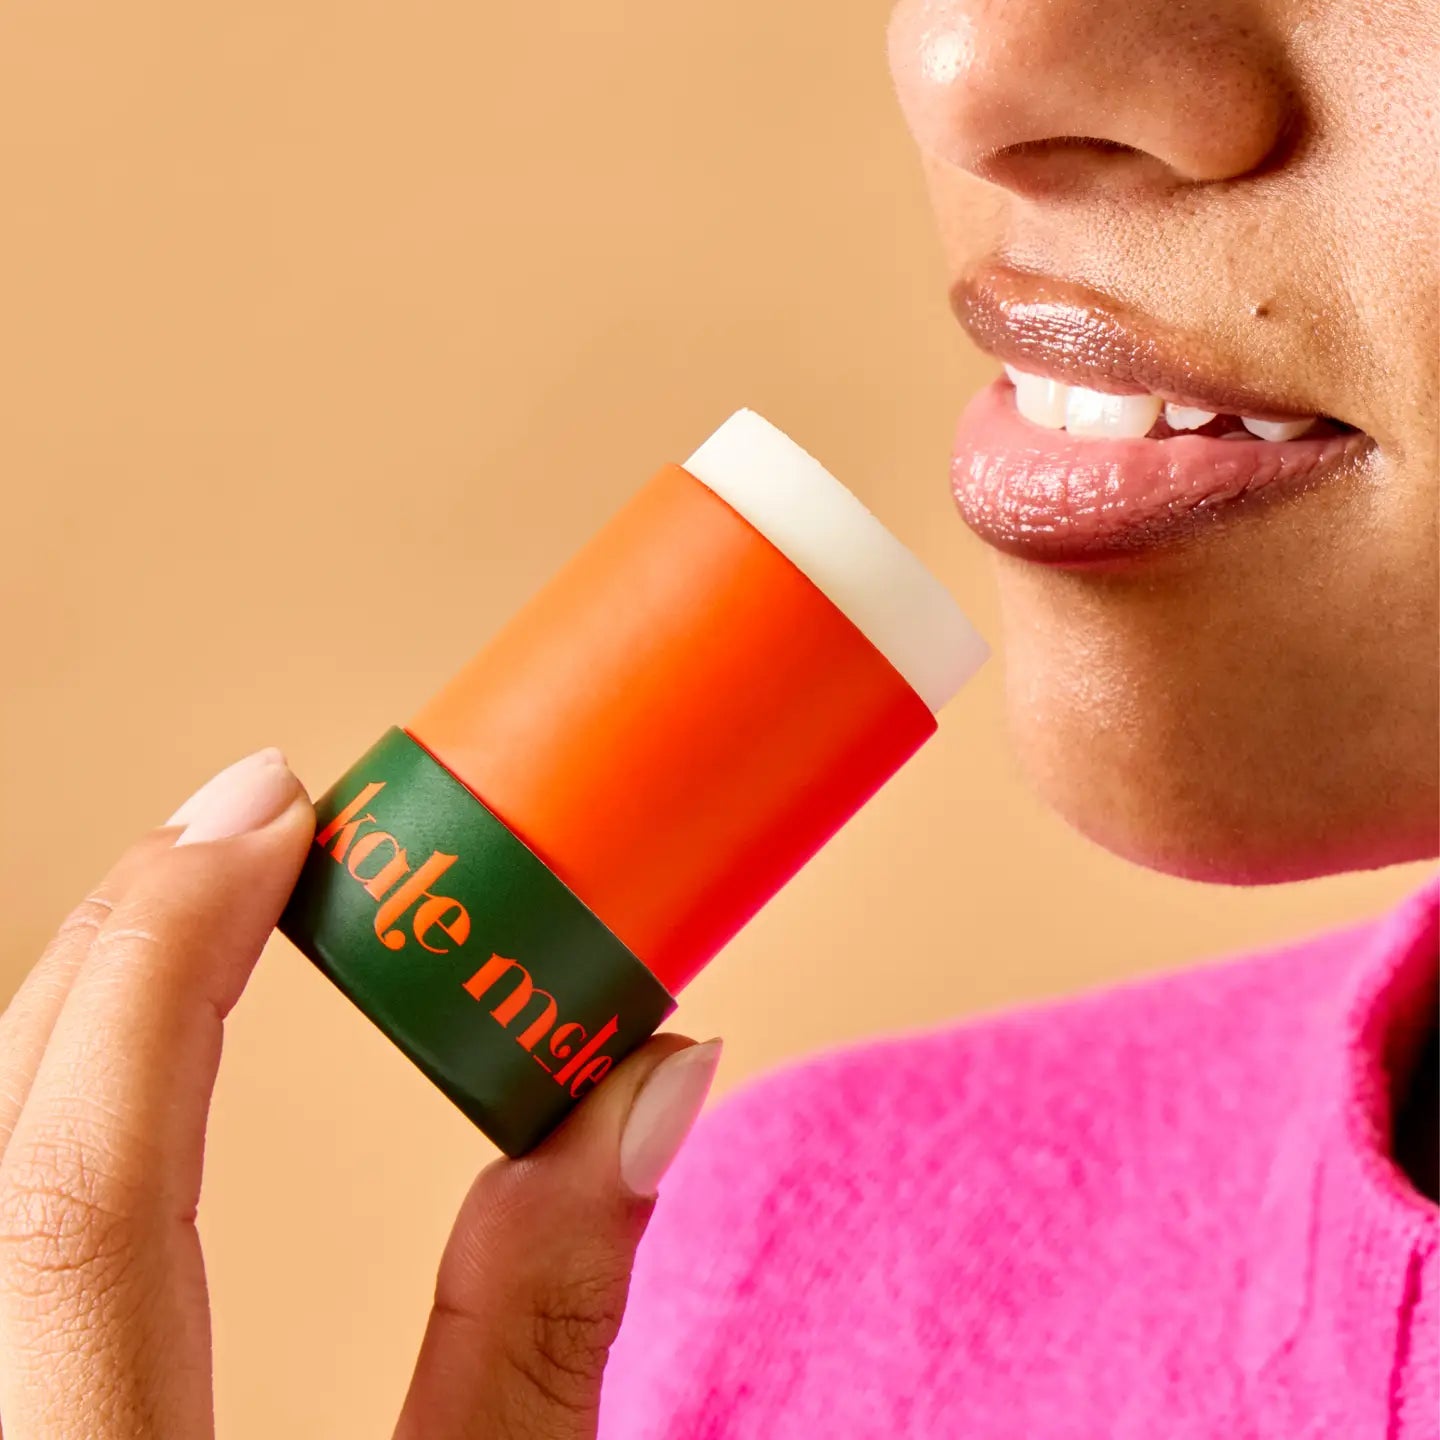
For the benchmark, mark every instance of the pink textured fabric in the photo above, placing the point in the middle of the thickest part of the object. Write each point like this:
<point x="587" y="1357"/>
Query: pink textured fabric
<point x="1162" y="1211"/>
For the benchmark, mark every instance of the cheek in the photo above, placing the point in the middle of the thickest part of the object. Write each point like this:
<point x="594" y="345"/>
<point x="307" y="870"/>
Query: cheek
<point x="1263" y="707"/>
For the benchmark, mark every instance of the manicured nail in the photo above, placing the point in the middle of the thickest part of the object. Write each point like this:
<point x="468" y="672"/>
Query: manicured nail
<point x="663" y="1112"/>
<point x="244" y="796"/>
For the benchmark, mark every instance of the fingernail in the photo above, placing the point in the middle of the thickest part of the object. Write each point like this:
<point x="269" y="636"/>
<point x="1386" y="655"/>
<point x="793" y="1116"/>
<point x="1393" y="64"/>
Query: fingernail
<point x="662" y="1113"/>
<point x="244" y="796"/>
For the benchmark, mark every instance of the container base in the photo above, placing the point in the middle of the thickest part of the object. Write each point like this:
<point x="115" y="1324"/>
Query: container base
<point x="476" y="960"/>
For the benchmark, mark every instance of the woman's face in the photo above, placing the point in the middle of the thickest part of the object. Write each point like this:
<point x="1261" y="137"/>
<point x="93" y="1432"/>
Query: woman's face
<point x="1221" y="652"/>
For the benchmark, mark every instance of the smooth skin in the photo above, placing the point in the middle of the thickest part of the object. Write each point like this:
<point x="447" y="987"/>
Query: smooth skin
<point x="108" y="1058"/>
<point x="1262" y="178"/>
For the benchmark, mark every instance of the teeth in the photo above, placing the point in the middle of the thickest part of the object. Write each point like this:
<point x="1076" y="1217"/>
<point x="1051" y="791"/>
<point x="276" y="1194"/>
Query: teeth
<point x="1092" y="412"/>
<point x="1057" y="406"/>
<point x="1040" y="401"/>
<point x="1187" y="417"/>
<point x="1277" y="429"/>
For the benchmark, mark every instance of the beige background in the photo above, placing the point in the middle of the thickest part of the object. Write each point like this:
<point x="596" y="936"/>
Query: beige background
<point x="326" y="332"/>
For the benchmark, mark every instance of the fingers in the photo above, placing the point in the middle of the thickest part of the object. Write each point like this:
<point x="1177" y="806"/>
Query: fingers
<point x="26" y="1023"/>
<point x="103" y="1319"/>
<point x="533" y="1282"/>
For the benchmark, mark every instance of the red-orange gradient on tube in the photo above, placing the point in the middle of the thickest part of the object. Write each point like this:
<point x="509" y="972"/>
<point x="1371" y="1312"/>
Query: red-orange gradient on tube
<point x="676" y="723"/>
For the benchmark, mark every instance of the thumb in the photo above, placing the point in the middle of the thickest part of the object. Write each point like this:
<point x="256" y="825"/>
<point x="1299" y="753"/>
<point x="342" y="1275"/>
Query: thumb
<point x="533" y="1282"/>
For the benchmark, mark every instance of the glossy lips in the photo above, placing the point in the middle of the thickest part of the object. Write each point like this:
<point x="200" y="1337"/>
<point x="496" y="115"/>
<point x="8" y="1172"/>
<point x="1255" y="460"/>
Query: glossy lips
<point x="1075" y="481"/>
<point x="1048" y="495"/>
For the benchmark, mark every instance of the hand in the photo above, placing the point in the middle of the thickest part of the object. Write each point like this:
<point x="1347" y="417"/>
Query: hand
<point x="108" y="1056"/>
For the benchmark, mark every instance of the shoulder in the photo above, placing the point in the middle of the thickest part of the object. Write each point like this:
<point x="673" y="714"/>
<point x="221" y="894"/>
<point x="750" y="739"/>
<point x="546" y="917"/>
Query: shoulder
<point x="971" y="1173"/>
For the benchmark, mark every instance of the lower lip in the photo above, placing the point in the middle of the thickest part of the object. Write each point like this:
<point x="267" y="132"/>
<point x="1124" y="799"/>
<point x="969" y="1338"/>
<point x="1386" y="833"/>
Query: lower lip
<point x="1050" y="496"/>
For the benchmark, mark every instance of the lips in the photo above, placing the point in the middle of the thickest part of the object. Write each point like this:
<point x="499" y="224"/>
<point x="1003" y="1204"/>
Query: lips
<point x="1050" y="462"/>
<point x="1048" y="495"/>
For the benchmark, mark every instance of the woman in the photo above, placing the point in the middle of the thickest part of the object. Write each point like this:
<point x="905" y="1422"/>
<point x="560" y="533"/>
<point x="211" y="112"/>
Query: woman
<point x="1203" y="1206"/>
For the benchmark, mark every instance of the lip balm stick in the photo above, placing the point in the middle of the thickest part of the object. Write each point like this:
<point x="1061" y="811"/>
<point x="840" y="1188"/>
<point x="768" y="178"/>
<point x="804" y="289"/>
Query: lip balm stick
<point x="516" y="884"/>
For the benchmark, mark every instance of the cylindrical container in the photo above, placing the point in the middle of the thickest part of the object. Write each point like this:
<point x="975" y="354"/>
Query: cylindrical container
<point x="516" y="884"/>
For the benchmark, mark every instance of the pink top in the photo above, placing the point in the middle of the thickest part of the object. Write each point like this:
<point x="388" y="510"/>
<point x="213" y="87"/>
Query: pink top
<point x="1162" y="1211"/>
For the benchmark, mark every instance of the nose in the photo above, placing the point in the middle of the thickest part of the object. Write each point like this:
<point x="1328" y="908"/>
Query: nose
<point x="1051" y="97"/>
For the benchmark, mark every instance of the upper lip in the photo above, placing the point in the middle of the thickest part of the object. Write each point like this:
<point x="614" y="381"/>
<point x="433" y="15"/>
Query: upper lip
<point x="1073" y="334"/>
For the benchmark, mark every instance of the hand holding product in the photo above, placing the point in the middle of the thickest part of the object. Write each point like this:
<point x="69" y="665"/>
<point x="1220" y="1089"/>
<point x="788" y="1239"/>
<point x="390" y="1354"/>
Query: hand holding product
<point x="517" y="884"/>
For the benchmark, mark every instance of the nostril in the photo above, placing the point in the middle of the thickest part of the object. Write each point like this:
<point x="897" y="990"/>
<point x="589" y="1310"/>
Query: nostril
<point x="1072" y="97"/>
<point x="1063" y="142"/>
<point x="1060" y="166"/>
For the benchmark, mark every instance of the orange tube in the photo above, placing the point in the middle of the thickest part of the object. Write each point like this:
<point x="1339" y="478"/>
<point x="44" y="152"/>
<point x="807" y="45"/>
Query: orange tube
<point x="675" y="723"/>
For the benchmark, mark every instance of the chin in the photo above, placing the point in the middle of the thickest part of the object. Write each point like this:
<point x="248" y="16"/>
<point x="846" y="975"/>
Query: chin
<point x="1261" y="704"/>
<point x="1213" y="762"/>
<point x="1198" y="838"/>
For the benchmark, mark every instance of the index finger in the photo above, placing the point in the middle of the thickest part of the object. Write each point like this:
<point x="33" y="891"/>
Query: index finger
<point x="29" y="1018"/>
<point x="103" y="1316"/>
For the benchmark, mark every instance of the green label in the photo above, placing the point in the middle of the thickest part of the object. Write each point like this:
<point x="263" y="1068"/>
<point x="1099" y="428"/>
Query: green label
<point x="459" y="943"/>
